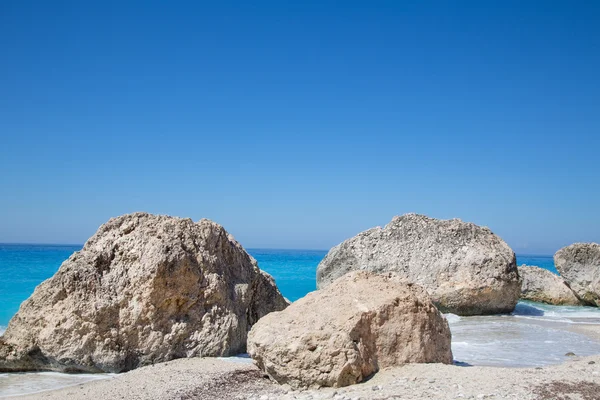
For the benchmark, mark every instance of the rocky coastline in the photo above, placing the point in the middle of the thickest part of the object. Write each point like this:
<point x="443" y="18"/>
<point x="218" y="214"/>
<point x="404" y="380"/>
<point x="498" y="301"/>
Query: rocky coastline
<point x="159" y="296"/>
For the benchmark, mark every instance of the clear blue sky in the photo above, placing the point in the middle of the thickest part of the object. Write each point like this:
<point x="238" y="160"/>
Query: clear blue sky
<point x="298" y="126"/>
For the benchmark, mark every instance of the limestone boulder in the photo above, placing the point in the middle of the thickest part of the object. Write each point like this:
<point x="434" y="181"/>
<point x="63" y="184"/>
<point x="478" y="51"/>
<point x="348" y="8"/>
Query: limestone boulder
<point x="347" y="331"/>
<point x="466" y="269"/>
<point x="143" y="289"/>
<point x="542" y="286"/>
<point x="579" y="265"/>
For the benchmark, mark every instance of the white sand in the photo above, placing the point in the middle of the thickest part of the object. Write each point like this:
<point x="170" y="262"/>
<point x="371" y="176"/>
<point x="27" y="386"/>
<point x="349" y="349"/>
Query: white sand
<point x="210" y="378"/>
<point x="219" y="379"/>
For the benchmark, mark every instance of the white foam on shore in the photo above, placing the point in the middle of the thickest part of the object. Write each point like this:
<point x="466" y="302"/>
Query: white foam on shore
<point x="566" y="314"/>
<point x="2" y="330"/>
<point x="534" y="335"/>
<point x="452" y="318"/>
<point x="558" y="314"/>
<point x="240" y="359"/>
<point x="19" y="384"/>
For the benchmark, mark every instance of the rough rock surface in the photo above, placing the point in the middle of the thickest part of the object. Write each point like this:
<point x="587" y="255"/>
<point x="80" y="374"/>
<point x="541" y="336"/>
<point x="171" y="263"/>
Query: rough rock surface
<point x="542" y="286"/>
<point x="579" y="265"/>
<point x="344" y="333"/>
<point x="143" y="289"/>
<point x="466" y="269"/>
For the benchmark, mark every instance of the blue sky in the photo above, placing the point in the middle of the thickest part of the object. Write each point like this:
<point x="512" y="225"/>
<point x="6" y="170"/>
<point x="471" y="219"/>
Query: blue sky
<point x="300" y="125"/>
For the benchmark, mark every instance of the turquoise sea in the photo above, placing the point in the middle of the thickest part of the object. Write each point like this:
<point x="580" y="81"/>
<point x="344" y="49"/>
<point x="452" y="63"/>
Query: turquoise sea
<point x="533" y="335"/>
<point x="24" y="266"/>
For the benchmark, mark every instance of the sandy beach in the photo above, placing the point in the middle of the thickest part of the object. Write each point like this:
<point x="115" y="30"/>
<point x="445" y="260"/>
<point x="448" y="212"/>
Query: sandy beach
<point x="205" y="378"/>
<point x="303" y="200"/>
<point x="238" y="378"/>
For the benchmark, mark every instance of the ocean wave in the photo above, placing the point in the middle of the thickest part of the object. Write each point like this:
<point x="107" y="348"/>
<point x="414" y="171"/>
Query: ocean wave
<point x="455" y="343"/>
<point x="564" y="314"/>
<point x="2" y="329"/>
<point x="561" y="320"/>
<point x="243" y="358"/>
<point x="452" y="318"/>
<point x="517" y="341"/>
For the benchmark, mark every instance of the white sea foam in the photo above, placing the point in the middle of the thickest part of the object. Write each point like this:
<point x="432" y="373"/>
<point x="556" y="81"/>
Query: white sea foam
<point x="240" y="358"/>
<point x="2" y="329"/>
<point x="534" y="335"/>
<point x="563" y="314"/>
<point x="17" y="384"/>
<point x="452" y="318"/>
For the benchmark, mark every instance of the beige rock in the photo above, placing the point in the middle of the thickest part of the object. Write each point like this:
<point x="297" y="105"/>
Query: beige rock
<point x="144" y="289"/>
<point x="579" y="265"/>
<point x="349" y="330"/>
<point x="542" y="286"/>
<point x="466" y="269"/>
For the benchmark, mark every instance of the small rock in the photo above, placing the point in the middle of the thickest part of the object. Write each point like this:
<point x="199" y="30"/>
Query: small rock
<point x="592" y="362"/>
<point x="432" y="381"/>
<point x="570" y="354"/>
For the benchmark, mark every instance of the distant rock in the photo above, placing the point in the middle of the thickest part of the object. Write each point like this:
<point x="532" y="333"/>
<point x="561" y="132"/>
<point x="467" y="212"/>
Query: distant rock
<point x="579" y="265"/>
<point x="143" y="289"/>
<point x="466" y="269"/>
<point x="542" y="286"/>
<point x="344" y="333"/>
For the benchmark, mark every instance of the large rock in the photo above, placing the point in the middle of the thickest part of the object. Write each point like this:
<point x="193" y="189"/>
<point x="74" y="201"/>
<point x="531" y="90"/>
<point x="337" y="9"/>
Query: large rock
<point x="344" y="333"/>
<point x="542" y="286"/>
<point x="143" y="289"/>
<point x="466" y="269"/>
<point x="579" y="265"/>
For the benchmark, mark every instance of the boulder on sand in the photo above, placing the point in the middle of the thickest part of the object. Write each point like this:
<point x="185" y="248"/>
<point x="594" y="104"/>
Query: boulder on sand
<point x="579" y="265"/>
<point x="542" y="286"/>
<point x="344" y="333"/>
<point x="143" y="289"/>
<point x="466" y="269"/>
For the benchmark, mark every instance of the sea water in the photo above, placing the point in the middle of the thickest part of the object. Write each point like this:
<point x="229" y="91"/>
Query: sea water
<point x="24" y="266"/>
<point x="534" y="335"/>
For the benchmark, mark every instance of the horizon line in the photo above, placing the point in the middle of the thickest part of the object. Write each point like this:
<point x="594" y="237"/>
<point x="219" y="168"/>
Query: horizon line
<point x="81" y="245"/>
<point x="248" y="248"/>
